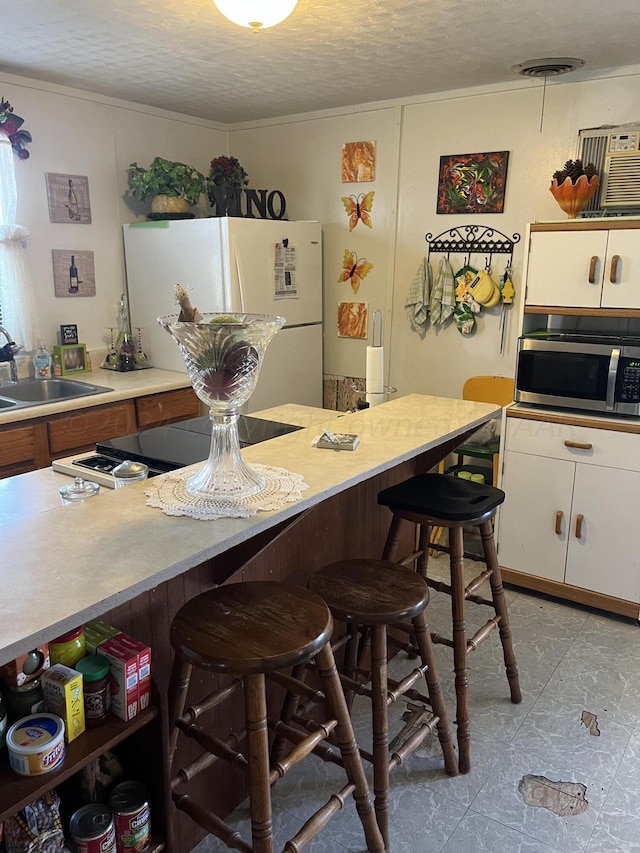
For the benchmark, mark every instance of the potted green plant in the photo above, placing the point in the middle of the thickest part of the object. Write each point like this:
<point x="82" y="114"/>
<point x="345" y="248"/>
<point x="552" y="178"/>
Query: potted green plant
<point x="172" y="187"/>
<point x="573" y="186"/>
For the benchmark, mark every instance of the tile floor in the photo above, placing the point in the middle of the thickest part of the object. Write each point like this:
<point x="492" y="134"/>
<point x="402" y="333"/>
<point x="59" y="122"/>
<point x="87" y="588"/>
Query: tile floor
<point x="571" y="659"/>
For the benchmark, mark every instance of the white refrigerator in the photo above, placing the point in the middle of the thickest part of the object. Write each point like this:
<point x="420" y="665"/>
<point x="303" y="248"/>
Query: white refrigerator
<point x="232" y="264"/>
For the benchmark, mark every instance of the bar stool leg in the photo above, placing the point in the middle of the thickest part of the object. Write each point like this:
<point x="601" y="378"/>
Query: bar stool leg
<point x="456" y="548"/>
<point x="332" y="689"/>
<point x="255" y="703"/>
<point x="500" y="605"/>
<point x="177" y="699"/>
<point x="425" y="648"/>
<point x="380" y="728"/>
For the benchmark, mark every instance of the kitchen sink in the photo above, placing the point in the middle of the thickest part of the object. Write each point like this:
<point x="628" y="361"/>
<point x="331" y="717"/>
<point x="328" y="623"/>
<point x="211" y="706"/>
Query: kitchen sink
<point x="35" y="392"/>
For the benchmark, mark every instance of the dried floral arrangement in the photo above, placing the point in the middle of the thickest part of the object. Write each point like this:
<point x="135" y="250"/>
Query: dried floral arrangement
<point x="221" y="354"/>
<point x="227" y="170"/>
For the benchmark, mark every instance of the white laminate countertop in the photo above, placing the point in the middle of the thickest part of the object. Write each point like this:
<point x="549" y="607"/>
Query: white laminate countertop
<point x="135" y="383"/>
<point x="61" y="565"/>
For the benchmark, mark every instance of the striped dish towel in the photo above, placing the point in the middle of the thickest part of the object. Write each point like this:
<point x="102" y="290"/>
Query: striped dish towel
<point x="443" y="294"/>
<point x="417" y="302"/>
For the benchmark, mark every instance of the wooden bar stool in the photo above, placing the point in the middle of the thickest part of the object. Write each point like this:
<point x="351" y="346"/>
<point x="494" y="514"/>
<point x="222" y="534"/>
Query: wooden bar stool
<point x="436" y="500"/>
<point x="371" y="594"/>
<point x="252" y="630"/>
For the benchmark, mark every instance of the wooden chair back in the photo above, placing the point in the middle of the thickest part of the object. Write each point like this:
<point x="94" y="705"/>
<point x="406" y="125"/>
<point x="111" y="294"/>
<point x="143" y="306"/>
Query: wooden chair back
<point x="489" y="389"/>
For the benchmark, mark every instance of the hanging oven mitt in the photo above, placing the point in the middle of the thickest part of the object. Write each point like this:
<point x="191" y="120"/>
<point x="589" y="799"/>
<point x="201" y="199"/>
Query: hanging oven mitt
<point x="443" y="294"/>
<point x="463" y="278"/>
<point x="484" y="289"/>
<point x="464" y="318"/>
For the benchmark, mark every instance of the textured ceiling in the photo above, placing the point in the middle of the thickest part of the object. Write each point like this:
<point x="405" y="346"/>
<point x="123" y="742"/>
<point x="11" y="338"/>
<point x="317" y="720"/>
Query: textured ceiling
<point x="183" y="55"/>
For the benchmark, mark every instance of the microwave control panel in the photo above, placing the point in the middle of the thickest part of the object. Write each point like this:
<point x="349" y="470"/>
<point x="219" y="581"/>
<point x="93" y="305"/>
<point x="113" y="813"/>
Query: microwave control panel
<point x="629" y="384"/>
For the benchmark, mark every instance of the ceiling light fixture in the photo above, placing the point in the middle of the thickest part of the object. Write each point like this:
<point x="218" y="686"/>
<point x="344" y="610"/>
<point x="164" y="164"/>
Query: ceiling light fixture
<point x="256" y="14"/>
<point x="552" y="67"/>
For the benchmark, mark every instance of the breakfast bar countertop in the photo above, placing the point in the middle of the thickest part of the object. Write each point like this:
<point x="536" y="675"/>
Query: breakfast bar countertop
<point x="62" y="565"/>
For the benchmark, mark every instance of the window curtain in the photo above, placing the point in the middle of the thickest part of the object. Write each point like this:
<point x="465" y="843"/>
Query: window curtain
<point x="17" y="302"/>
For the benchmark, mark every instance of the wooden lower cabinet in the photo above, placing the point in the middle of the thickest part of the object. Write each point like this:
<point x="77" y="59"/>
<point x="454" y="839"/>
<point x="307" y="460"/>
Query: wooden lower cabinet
<point x="568" y="525"/>
<point x="34" y="443"/>
<point x="23" y="448"/>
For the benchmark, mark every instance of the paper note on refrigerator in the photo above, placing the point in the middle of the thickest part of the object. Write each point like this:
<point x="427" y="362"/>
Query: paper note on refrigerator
<point x="285" y="271"/>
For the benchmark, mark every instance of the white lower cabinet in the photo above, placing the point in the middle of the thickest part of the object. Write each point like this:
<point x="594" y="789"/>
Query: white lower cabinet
<point x="569" y="517"/>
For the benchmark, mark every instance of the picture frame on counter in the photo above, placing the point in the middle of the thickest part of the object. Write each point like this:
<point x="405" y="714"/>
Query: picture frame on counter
<point x="72" y="358"/>
<point x="68" y="334"/>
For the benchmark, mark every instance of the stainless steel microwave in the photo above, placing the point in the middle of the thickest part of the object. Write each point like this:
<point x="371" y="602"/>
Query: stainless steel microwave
<point x="575" y="371"/>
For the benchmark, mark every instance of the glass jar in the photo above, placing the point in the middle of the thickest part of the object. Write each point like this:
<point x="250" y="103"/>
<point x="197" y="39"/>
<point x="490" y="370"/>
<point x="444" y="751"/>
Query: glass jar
<point x="97" y="688"/>
<point x="78" y="491"/>
<point x="68" y="648"/>
<point x="24" y="700"/>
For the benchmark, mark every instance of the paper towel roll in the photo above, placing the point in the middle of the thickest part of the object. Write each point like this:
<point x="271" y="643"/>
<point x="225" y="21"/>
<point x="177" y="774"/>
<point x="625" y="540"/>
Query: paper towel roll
<point x="374" y="380"/>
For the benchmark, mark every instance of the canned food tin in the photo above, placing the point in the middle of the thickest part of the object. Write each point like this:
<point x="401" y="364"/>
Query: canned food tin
<point x="131" y="812"/>
<point x="93" y="829"/>
<point x="36" y="744"/>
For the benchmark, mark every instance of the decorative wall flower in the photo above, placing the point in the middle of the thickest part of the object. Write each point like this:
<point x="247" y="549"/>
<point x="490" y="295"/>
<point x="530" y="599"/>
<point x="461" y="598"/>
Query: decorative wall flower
<point x="10" y="125"/>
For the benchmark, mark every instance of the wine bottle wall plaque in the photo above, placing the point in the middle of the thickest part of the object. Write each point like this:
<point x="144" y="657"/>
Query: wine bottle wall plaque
<point x="73" y="273"/>
<point x="68" y="199"/>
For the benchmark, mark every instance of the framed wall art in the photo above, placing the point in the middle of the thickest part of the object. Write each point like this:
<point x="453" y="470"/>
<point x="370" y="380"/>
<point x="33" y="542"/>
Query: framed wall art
<point x="353" y="320"/>
<point x="358" y="162"/>
<point x="472" y="183"/>
<point x="73" y="273"/>
<point x="68" y="198"/>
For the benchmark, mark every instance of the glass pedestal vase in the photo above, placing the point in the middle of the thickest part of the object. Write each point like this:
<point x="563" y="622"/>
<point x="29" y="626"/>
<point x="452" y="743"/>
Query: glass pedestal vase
<point x="223" y="354"/>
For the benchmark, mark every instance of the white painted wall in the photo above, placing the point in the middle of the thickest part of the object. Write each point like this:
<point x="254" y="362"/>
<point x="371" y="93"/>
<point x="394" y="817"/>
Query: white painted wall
<point x="79" y="133"/>
<point x="301" y="155"/>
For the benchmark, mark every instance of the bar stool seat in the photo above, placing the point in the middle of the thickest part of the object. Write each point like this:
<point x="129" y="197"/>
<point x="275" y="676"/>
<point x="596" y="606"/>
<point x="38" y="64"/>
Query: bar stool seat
<point x="250" y="631"/>
<point x="437" y="500"/>
<point x="372" y="595"/>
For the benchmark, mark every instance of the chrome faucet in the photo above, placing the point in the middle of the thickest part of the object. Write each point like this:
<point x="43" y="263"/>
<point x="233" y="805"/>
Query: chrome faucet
<point x="7" y="353"/>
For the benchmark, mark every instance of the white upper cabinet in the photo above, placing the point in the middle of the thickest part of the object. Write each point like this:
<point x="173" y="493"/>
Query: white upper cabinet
<point x="584" y="269"/>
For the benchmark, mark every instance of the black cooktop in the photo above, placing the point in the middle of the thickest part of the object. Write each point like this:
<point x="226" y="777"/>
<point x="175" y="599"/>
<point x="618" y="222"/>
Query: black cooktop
<point x="167" y="448"/>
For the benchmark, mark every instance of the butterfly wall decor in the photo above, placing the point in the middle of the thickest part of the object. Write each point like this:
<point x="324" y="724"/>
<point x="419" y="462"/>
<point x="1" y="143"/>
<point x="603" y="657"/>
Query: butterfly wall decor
<point x="355" y="269"/>
<point x="358" y="208"/>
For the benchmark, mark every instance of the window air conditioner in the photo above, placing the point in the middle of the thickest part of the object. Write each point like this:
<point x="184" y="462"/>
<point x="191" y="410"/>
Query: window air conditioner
<point x="615" y="152"/>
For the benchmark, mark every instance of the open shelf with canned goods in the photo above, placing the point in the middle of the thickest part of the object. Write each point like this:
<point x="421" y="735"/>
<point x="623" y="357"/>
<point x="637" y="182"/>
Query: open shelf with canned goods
<point x="146" y="750"/>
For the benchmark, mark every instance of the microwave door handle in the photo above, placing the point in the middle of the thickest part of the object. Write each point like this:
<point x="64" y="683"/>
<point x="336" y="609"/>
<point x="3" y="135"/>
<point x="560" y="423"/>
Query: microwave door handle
<point x="611" y="379"/>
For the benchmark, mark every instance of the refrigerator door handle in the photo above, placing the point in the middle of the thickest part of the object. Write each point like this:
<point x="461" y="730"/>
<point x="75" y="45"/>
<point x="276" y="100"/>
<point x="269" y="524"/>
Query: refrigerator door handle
<point x="238" y="262"/>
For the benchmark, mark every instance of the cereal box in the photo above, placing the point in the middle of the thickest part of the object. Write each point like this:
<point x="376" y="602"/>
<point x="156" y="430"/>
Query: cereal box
<point x="144" y="667"/>
<point x="124" y="678"/>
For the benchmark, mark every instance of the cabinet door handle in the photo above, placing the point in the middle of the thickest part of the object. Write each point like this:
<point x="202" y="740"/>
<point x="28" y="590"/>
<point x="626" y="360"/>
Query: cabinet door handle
<point x="559" y="517"/>
<point x="579" y="521"/>
<point x="579" y="445"/>
<point x="592" y="269"/>
<point x="613" y="273"/>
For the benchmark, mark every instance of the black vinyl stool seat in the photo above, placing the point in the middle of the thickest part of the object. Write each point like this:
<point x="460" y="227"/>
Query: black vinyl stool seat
<point x="437" y="500"/>
<point x="370" y="595"/>
<point x="252" y="631"/>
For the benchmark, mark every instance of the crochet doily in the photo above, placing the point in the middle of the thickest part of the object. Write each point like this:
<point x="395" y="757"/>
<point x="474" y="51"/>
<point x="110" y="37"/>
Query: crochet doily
<point x="169" y="494"/>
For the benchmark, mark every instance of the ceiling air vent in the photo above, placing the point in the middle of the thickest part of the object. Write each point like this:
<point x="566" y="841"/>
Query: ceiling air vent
<point x="551" y="67"/>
